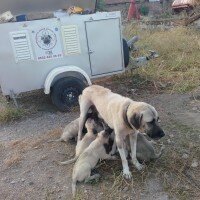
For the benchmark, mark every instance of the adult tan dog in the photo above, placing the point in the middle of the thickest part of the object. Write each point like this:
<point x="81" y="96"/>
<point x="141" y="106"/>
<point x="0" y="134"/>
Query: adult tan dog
<point x="98" y="149"/>
<point x="123" y="115"/>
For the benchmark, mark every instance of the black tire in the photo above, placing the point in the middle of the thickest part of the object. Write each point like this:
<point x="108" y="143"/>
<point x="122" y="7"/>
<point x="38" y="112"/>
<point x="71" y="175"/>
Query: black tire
<point x="126" y="53"/>
<point x="65" y="92"/>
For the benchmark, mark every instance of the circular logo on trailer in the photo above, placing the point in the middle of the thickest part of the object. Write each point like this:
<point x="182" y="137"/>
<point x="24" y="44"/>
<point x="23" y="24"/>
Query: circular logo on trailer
<point x="46" y="39"/>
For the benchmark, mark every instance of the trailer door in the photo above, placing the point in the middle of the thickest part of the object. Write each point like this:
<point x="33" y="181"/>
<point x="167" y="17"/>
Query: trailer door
<point x="104" y="46"/>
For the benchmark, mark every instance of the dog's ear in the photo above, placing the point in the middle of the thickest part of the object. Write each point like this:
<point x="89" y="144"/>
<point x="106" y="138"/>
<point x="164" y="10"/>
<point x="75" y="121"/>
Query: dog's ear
<point x="136" y="120"/>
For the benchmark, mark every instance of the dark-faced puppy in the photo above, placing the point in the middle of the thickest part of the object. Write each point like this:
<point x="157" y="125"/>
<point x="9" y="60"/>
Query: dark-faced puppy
<point x="145" y="149"/>
<point x="89" y="158"/>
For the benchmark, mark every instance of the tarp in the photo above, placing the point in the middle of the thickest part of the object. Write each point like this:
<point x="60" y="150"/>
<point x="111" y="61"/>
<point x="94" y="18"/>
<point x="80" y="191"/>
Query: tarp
<point x="29" y="6"/>
<point x="181" y="3"/>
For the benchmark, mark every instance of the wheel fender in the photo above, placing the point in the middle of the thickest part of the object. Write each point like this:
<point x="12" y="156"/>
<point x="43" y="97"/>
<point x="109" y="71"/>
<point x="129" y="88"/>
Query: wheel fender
<point x="59" y="70"/>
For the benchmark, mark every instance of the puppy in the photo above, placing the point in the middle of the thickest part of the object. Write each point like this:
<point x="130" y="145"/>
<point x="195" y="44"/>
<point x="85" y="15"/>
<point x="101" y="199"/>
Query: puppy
<point x="125" y="116"/>
<point x="89" y="137"/>
<point x="145" y="150"/>
<point x="98" y="149"/>
<point x="71" y="130"/>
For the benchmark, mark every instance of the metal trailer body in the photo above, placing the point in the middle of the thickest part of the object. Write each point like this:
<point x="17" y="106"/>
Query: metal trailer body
<point x="35" y="54"/>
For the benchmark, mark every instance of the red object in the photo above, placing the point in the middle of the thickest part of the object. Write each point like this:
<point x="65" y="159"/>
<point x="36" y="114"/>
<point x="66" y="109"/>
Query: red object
<point x="133" y="11"/>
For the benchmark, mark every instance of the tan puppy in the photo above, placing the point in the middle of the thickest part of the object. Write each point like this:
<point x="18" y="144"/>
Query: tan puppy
<point x="89" y="158"/>
<point x="69" y="132"/>
<point x="89" y="137"/>
<point x="123" y="115"/>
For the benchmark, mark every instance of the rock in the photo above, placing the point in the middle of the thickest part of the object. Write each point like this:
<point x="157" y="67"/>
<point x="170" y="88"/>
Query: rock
<point x="194" y="108"/>
<point x="162" y="85"/>
<point x="185" y="156"/>
<point x="125" y="189"/>
<point x="133" y="90"/>
<point x="31" y="183"/>
<point x="169" y="141"/>
<point x="85" y="191"/>
<point x="191" y="144"/>
<point x="13" y="182"/>
<point x="22" y="180"/>
<point x="194" y="163"/>
<point x="171" y="135"/>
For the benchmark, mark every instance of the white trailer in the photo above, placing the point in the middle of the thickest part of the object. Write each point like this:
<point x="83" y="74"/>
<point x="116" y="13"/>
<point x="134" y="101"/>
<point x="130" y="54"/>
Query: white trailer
<point x="61" y="55"/>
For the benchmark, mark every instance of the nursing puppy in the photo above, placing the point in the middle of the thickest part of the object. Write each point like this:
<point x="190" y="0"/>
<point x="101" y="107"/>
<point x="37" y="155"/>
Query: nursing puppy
<point x="98" y="149"/>
<point x="125" y="116"/>
<point x="145" y="150"/>
<point x="89" y="137"/>
<point x="71" y="130"/>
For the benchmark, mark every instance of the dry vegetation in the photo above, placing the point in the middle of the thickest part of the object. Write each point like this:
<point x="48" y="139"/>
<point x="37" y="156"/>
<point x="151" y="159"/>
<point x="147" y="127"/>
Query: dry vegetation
<point x="9" y="112"/>
<point x="178" y="66"/>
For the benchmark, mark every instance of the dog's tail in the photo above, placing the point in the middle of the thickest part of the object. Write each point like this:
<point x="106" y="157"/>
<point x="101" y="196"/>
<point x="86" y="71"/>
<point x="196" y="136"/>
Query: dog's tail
<point x="68" y="161"/>
<point x="58" y="140"/>
<point x="73" y="188"/>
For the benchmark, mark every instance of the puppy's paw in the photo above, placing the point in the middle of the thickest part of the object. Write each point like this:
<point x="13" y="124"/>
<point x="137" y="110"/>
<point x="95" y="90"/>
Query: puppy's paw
<point x="127" y="174"/>
<point x="114" y="158"/>
<point x="138" y="166"/>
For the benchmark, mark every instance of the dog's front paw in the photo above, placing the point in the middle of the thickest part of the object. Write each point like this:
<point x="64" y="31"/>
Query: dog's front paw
<point x="127" y="174"/>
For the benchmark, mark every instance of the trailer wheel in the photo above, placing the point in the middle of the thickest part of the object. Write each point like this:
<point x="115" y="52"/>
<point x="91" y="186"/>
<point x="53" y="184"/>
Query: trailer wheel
<point x="126" y="52"/>
<point x="65" y="92"/>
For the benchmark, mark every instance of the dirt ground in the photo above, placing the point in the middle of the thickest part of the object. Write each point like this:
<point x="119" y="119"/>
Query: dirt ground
<point x="28" y="168"/>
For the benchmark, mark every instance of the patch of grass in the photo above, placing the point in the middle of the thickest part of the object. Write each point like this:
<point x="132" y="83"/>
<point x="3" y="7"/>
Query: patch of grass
<point x="8" y="112"/>
<point x="178" y="64"/>
<point x="11" y="114"/>
<point x="14" y="159"/>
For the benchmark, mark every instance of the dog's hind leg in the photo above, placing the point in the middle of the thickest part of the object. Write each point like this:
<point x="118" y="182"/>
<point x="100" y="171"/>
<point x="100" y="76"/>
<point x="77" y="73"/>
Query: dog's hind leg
<point x="133" y="144"/>
<point x="84" y="108"/>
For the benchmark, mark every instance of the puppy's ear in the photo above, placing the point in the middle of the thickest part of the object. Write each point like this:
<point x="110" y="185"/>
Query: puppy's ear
<point x="136" y="120"/>
<point x="107" y="131"/>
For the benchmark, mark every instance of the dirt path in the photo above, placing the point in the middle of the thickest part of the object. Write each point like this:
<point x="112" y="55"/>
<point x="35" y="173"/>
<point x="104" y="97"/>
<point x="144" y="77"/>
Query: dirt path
<point x="28" y="168"/>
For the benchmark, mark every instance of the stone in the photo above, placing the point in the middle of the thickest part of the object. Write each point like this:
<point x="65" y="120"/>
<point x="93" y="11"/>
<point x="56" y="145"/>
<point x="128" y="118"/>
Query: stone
<point x="194" y="163"/>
